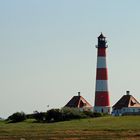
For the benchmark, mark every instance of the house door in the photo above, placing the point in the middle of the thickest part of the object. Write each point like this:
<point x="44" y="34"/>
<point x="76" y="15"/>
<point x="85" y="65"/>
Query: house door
<point x="102" y="110"/>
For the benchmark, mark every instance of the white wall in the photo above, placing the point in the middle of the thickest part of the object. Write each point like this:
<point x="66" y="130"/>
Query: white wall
<point x="125" y="110"/>
<point x="101" y="109"/>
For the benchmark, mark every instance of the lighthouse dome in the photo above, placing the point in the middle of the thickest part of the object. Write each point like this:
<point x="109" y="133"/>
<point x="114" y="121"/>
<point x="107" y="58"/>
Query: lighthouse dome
<point x="101" y="36"/>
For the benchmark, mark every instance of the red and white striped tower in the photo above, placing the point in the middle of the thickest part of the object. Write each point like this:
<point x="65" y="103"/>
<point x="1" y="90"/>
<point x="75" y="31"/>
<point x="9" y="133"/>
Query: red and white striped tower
<point x="102" y="101"/>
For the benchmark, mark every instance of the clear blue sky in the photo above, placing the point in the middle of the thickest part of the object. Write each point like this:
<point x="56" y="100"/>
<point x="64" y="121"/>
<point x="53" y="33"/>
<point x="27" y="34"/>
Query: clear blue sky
<point x="48" y="54"/>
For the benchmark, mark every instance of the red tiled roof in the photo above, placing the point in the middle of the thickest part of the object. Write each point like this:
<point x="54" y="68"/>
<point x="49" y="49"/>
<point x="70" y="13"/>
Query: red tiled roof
<point x="78" y="101"/>
<point x="126" y="101"/>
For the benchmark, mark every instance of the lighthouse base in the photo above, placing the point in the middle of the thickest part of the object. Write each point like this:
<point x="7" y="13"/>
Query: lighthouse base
<point x="102" y="109"/>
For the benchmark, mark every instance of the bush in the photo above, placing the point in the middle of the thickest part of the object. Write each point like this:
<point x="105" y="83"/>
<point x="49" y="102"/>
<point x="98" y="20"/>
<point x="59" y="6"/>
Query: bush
<point x="17" y="117"/>
<point x="30" y="116"/>
<point x="40" y="116"/>
<point x="89" y="114"/>
<point x="54" y="115"/>
<point x="96" y="114"/>
<point x="93" y="114"/>
<point x="66" y="113"/>
<point x="72" y="113"/>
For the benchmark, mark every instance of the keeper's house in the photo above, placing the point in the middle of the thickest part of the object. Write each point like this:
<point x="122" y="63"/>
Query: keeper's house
<point x="127" y="105"/>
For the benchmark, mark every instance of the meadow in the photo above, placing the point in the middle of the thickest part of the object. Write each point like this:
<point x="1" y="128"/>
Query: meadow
<point x="123" y="127"/>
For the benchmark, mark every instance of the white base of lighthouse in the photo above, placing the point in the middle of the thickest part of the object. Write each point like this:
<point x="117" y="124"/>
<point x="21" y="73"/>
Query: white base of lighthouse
<point x="102" y="109"/>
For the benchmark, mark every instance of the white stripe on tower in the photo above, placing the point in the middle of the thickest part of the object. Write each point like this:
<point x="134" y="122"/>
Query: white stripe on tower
<point x="101" y="62"/>
<point x="101" y="85"/>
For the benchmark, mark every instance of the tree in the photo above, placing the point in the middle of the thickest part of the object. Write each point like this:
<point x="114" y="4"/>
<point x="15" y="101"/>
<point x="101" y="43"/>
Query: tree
<point x="17" y="117"/>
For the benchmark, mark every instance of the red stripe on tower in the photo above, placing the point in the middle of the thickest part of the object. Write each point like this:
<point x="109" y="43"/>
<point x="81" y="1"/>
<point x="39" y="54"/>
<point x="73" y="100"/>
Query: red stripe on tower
<point x="101" y="52"/>
<point x="101" y="74"/>
<point x="102" y="100"/>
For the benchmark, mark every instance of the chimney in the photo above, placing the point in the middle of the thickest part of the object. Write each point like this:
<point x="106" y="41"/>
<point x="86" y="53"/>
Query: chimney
<point x="127" y="92"/>
<point x="78" y="93"/>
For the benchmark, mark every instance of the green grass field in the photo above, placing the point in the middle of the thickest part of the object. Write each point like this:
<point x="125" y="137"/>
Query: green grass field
<point x="125" y="127"/>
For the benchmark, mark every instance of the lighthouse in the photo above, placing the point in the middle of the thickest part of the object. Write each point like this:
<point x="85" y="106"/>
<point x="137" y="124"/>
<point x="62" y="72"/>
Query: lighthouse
<point x="102" y="99"/>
